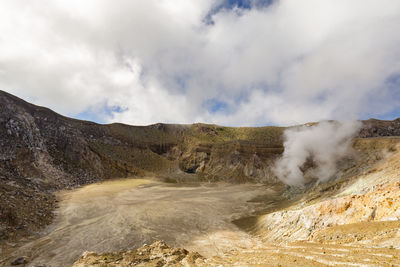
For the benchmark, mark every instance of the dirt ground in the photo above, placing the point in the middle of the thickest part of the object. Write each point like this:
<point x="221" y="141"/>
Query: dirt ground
<point x="127" y="214"/>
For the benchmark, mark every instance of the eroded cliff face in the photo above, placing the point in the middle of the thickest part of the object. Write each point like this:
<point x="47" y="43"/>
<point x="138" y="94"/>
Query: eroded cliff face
<point x="234" y="161"/>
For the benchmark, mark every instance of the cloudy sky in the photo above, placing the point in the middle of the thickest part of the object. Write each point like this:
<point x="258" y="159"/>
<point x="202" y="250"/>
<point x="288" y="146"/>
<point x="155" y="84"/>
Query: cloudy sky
<point x="249" y="62"/>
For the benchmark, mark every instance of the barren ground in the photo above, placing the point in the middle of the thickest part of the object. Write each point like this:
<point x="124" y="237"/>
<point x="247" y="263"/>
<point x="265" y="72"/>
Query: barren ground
<point x="126" y="214"/>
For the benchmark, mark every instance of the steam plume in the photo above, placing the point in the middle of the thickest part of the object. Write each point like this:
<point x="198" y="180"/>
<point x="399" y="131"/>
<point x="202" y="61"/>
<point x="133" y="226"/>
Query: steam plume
<point x="323" y="144"/>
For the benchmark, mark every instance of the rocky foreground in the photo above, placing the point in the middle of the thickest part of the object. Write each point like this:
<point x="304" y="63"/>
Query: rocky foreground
<point x="156" y="254"/>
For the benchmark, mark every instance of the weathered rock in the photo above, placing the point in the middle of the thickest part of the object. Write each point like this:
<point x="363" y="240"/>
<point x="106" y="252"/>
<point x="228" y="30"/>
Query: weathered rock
<point x="156" y="254"/>
<point x="378" y="128"/>
<point x="20" y="260"/>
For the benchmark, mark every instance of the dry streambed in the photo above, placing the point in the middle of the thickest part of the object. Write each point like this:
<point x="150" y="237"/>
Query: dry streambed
<point x="126" y="214"/>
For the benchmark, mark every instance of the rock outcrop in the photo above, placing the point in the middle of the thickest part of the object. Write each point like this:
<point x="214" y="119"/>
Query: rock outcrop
<point x="156" y="254"/>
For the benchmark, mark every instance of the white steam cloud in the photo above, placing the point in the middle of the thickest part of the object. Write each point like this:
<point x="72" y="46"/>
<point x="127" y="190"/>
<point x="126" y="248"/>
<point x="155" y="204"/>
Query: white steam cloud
<point x="323" y="144"/>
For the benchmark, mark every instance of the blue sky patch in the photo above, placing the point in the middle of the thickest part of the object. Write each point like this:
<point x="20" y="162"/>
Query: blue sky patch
<point x="99" y="115"/>
<point x="240" y="4"/>
<point x="215" y="106"/>
<point x="394" y="114"/>
<point x="89" y="115"/>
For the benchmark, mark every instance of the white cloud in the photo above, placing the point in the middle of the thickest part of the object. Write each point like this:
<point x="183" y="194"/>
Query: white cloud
<point x="291" y="62"/>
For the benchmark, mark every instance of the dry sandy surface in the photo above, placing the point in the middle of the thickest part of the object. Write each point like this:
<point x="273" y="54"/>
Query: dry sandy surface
<point x="127" y="214"/>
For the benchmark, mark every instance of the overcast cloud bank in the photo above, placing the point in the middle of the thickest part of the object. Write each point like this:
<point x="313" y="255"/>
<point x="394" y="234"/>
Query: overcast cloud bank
<point x="143" y="62"/>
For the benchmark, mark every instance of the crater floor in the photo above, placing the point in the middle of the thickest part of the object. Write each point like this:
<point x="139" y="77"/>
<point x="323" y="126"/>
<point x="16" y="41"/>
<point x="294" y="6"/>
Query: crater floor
<point x="126" y="214"/>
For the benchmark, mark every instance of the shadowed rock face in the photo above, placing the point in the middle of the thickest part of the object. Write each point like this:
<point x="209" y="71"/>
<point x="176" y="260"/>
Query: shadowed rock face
<point x="378" y="128"/>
